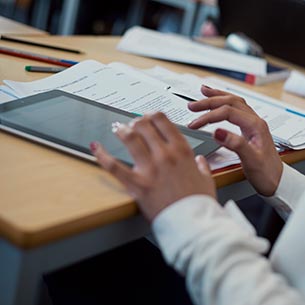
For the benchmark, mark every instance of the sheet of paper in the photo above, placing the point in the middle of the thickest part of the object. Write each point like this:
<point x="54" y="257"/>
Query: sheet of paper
<point x="106" y="85"/>
<point x="222" y="158"/>
<point x="176" y="48"/>
<point x="296" y="83"/>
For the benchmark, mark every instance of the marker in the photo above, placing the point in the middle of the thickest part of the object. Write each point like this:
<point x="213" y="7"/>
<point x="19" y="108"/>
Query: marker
<point x="44" y="69"/>
<point x="42" y="45"/>
<point x="137" y="114"/>
<point x="37" y="57"/>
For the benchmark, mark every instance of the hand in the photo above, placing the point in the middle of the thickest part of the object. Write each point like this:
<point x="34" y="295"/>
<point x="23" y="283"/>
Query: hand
<point x="260" y="161"/>
<point x="164" y="168"/>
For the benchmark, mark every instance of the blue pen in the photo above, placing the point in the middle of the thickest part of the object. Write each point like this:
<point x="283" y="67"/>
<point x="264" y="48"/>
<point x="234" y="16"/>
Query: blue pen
<point x="266" y="102"/>
<point x="295" y="112"/>
<point x="70" y="62"/>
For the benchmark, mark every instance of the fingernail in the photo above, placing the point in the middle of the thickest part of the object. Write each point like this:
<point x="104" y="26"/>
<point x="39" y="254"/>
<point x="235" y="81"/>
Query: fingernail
<point x="221" y="135"/>
<point x="133" y="122"/>
<point x="93" y="146"/>
<point x="204" y="86"/>
<point x="190" y="124"/>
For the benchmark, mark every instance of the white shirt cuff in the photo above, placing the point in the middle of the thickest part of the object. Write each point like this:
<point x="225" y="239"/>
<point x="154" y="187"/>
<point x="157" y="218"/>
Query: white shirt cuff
<point x="291" y="188"/>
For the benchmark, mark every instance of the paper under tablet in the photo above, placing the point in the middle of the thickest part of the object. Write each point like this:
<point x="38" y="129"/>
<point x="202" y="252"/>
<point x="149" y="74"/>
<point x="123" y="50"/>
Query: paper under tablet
<point x="71" y="123"/>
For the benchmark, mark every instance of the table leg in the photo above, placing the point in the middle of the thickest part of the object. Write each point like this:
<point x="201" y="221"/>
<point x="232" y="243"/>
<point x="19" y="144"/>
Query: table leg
<point x="21" y="270"/>
<point x="20" y="278"/>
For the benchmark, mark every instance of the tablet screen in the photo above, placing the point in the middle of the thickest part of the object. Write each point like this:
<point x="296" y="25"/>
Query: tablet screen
<point x="69" y="121"/>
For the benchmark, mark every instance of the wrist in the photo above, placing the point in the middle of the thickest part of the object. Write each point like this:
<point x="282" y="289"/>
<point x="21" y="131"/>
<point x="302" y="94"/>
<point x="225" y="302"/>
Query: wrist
<point x="274" y="182"/>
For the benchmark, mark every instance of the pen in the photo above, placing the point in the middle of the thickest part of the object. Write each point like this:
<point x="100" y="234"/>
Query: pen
<point x="42" y="45"/>
<point x="267" y="102"/>
<point x="37" y="57"/>
<point x="44" y="69"/>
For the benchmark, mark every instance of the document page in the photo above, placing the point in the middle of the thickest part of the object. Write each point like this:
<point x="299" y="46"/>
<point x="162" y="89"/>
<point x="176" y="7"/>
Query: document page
<point x="176" y="48"/>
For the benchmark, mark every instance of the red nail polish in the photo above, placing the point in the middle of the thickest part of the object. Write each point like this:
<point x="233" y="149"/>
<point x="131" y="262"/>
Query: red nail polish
<point x="93" y="146"/>
<point x="221" y="135"/>
<point x="206" y="87"/>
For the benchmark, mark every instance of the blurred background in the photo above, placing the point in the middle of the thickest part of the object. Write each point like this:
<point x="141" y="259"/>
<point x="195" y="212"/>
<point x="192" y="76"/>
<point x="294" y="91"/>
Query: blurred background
<point x="276" y="25"/>
<point x="112" y="17"/>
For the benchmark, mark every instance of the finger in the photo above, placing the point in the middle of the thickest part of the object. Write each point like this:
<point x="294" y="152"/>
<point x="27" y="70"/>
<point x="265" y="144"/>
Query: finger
<point x="134" y="143"/>
<point x="218" y="101"/>
<point x="166" y="128"/>
<point x="233" y="142"/>
<point x="203" y="165"/>
<point x="235" y="116"/>
<point x="122" y="172"/>
<point x="210" y="92"/>
<point x="151" y="136"/>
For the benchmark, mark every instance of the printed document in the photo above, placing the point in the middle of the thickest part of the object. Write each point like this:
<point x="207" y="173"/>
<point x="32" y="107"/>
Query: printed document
<point x="106" y="85"/>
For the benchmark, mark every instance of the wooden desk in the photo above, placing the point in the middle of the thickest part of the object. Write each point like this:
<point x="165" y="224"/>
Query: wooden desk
<point x="55" y="209"/>
<point x="10" y="27"/>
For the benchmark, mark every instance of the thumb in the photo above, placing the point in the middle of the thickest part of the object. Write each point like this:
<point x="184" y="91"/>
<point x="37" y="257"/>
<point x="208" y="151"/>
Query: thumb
<point x="203" y="165"/>
<point x="233" y="142"/>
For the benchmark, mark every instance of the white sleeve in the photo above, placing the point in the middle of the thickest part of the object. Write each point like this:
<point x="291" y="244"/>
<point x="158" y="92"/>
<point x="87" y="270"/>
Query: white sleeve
<point x="288" y="253"/>
<point x="291" y="188"/>
<point x="222" y="262"/>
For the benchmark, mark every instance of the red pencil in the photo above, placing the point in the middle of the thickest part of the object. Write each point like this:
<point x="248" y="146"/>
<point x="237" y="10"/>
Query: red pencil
<point x="38" y="57"/>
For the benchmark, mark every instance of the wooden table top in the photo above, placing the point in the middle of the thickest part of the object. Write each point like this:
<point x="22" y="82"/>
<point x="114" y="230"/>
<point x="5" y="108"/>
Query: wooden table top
<point x="11" y="27"/>
<point x="47" y="195"/>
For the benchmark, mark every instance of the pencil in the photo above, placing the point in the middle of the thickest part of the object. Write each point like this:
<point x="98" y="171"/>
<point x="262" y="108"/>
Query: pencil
<point x="44" y="69"/>
<point x="37" y="57"/>
<point x="42" y="45"/>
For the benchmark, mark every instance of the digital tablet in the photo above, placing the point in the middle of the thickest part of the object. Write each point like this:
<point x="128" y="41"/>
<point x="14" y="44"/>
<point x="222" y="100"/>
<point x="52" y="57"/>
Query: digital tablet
<point x="70" y="123"/>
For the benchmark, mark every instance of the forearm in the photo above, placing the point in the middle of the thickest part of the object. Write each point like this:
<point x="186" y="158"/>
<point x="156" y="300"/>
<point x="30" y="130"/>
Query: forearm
<point x="222" y="262"/>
